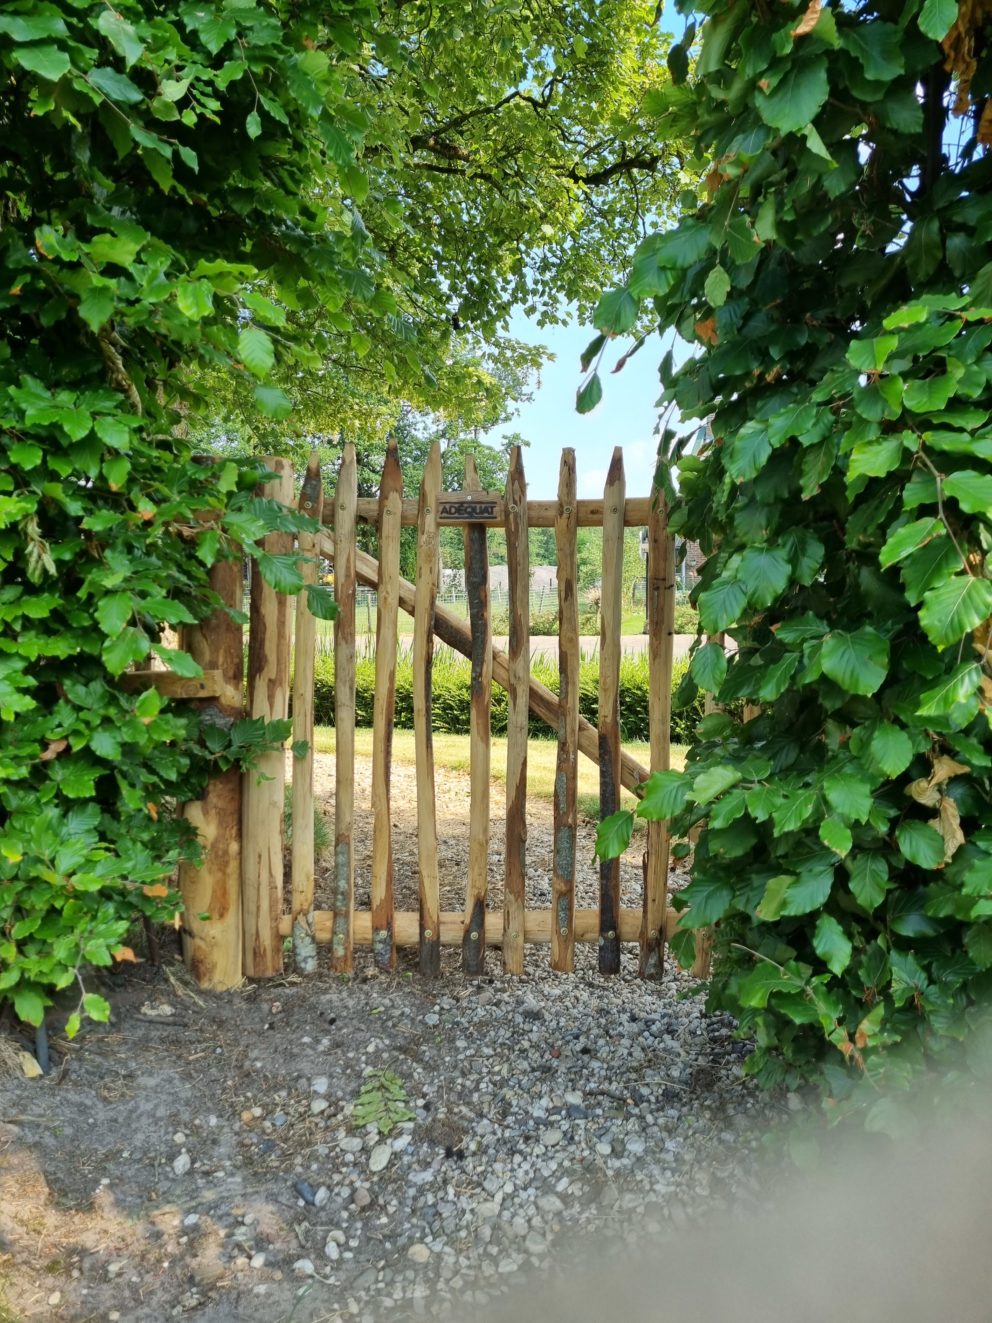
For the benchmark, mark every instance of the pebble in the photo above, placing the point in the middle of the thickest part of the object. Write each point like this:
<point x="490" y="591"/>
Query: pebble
<point x="306" y="1191"/>
<point x="350" y="1144"/>
<point x="550" y="1138"/>
<point x="321" y="1197"/>
<point x="318" y="1105"/>
<point x="257" y="1260"/>
<point x="304" y="1268"/>
<point x="361" y="1198"/>
<point x="332" y="1250"/>
<point x="319" y="1084"/>
<point x="418" y="1253"/>
<point x="182" y="1163"/>
<point x="379" y="1157"/>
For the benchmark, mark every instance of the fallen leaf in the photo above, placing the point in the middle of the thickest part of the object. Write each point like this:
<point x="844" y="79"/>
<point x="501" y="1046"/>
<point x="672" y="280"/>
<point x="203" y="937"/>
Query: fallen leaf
<point x="55" y="747"/>
<point x="29" y="1066"/>
<point x="125" y="953"/>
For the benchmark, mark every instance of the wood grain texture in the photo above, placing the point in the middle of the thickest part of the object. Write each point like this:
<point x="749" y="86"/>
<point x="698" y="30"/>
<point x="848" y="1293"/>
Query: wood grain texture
<point x="383" y="707"/>
<point x="537" y="927"/>
<point x="311" y="503"/>
<point x="209" y="685"/>
<point x="212" y="946"/>
<point x="480" y="747"/>
<point x="518" y="571"/>
<point x="661" y="624"/>
<point x="428" y="571"/>
<point x="344" y="502"/>
<point x="611" y="613"/>
<point x="566" y="809"/>
<point x="450" y="629"/>
<point x="262" y="787"/>
<point x="540" y="514"/>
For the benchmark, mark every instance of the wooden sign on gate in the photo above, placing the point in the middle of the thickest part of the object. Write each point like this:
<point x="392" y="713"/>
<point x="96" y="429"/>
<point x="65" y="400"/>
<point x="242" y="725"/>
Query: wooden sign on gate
<point x="470" y="508"/>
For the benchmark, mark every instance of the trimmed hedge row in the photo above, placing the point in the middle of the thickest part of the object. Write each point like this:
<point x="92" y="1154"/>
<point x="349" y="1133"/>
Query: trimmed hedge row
<point x="452" y="681"/>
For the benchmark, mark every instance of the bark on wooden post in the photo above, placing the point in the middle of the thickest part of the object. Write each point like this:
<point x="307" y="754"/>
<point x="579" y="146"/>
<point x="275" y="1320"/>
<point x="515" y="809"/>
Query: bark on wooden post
<point x="518" y="569"/>
<point x="450" y="628"/>
<point x="661" y="624"/>
<point x="212" y="946"/>
<point x="268" y="698"/>
<point x="477" y="586"/>
<point x="566" y="811"/>
<point x="390" y="505"/>
<point x="428" y="570"/>
<point x="611" y="614"/>
<point x="344" y="712"/>
<point x="304" y="942"/>
<point x="703" y="943"/>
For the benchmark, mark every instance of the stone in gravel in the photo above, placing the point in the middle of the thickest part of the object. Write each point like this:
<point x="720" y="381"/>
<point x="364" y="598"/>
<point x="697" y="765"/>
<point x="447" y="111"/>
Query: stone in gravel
<point x="303" y="1267"/>
<point x="506" y="1265"/>
<point x="550" y="1203"/>
<point x="319" y="1084"/>
<point x="257" y="1261"/>
<point x="350" y="1144"/>
<point x="179" y="1138"/>
<point x="487" y="1211"/>
<point x="574" y="1097"/>
<point x="634" y="1146"/>
<point x="191" y="1220"/>
<point x="306" y="1191"/>
<point x="279" y="1120"/>
<point x="577" y="1112"/>
<point x="318" y="1105"/>
<point x="535" y="1243"/>
<point x="551" y="1137"/>
<point x="182" y="1163"/>
<point x="361" y="1198"/>
<point x="321" y="1197"/>
<point x="379" y="1157"/>
<point x="332" y="1250"/>
<point x="531" y="1011"/>
<point x="418" y="1253"/>
<point x="432" y="1019"/>
<point x="603" y="1149"/>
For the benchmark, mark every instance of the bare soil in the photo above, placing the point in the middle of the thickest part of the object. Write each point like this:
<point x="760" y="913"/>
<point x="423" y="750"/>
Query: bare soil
<point x="98" y="1219"/>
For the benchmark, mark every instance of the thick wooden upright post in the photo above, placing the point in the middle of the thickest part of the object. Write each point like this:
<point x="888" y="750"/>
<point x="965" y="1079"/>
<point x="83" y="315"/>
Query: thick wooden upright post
<point x="345" y="551"/>
<point x="212" y="945"/>
<point x="304" y="942"/>
<point x="661" y="622"/>
<point x="611" y="614"/>
<point x="477" y="586"/>
<point x="428" y="570"/>
<point x="518" y="573"/>
<point x="268" y="698"/>
<point x="390" y="508"/>
<point x="566" y="809"/>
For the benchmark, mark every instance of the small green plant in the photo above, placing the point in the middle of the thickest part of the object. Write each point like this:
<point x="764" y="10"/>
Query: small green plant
<point x="322" y="839"/>
<point x="382" y="1102"/>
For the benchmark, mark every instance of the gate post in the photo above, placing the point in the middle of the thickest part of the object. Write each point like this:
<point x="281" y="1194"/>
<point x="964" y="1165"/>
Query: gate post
<point x="212" y="945"/>
<point x="268" y="698"/>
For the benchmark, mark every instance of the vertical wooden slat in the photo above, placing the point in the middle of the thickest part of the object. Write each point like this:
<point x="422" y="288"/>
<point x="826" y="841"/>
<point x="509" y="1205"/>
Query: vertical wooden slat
<point x="428" y="569"/>
<point x="304" y="943"/>
<point x="566" y="812"/>
<point x="345" y="552"/>
<point x="661" y="623"/>
<point x="268" y="698"/>
<point x="390" y="510"/>
<point x="477" y="586"/>
<point x="518" y="570"/>
<point x="212" y="945"/>
<point x="611" y="613"/>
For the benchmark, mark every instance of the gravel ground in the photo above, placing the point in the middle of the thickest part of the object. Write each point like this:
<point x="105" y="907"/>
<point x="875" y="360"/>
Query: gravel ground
<point x="201" y="1155"/>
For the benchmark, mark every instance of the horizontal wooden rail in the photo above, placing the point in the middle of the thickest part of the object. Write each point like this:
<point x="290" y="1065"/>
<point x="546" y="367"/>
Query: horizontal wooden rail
<point x="537" y="927"/>
<point x="452" y="630"/>
<point x="490" y="510"/>
<point x="208" y="685"/>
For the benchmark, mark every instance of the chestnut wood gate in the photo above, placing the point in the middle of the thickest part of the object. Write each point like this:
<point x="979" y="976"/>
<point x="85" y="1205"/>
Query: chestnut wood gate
<point x="250" y="920"/>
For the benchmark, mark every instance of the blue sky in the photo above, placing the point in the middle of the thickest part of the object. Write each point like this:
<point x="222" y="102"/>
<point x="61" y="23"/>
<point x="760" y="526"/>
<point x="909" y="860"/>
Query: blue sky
<point x="626" y="416"/>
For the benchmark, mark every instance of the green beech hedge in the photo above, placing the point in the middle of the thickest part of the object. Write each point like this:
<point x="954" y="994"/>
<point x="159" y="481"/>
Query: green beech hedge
<point x="452" y="678"/>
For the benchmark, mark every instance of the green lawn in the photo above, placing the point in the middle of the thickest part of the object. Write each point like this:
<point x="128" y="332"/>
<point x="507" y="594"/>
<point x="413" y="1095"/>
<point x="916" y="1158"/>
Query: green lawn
<point x="452" y="751"/>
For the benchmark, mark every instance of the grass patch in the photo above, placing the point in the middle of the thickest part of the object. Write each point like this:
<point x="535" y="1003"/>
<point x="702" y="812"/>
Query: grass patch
<point x="452" y="752"/>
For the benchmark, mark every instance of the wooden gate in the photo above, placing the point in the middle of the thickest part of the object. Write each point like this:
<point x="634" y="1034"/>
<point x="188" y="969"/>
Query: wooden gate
<point x="236" y="919"/>
<point x="477" y="927"/>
